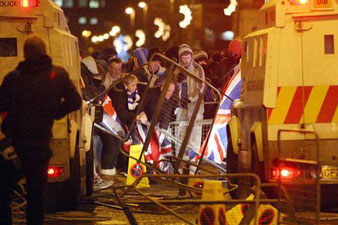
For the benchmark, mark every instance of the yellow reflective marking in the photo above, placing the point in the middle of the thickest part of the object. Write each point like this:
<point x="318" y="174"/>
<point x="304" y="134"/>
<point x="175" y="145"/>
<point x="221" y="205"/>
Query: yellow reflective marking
<point x="283" y="103"/>
<point x="314" y="103"/>
<point x="335" y="116"/>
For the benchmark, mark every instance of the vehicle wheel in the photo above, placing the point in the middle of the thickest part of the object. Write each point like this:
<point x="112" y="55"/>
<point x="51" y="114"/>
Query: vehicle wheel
<point x="90" y="171"/>
<point x="231" y="159"/>
<point x="329" y="196"/>
<point x="257" y="167"/>
<point x="73" y="185"/>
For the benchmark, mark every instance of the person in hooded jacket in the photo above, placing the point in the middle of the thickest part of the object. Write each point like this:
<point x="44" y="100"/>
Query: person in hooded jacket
<point x="229" y="64"/>
<point x="190" y="90"/>
<point x="144" y="73"/>
<point x="33" y="96"/>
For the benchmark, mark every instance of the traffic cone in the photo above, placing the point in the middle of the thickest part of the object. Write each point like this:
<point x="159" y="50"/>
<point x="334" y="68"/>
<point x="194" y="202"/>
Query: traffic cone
<point x="212" y="214"/>
<point x="235" y="215"/>
<point x="136" y="169"/>
<point x="196" y="183"/>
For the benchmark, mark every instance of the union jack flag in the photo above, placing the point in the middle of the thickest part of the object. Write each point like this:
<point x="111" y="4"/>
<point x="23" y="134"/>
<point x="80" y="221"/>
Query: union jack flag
<point x="218" y="140"/>
<point x="110" y="120"/>
<point x="159" y="147"/>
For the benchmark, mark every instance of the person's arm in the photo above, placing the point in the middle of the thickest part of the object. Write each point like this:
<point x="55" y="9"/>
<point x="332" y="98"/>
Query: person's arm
<point x="4" y="98"/>
<point x="71" y="99"/>
<point x="5" y="91"/>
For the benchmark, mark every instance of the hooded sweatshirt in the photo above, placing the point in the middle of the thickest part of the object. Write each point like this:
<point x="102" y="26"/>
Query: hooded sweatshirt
<point x="194" y="87"/>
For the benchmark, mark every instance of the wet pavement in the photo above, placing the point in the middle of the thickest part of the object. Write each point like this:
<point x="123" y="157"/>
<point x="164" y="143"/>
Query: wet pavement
<point x="102" y="208"/>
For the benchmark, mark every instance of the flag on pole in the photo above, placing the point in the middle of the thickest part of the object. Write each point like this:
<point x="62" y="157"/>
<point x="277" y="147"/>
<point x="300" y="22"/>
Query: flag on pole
<point x="218" y="140"/>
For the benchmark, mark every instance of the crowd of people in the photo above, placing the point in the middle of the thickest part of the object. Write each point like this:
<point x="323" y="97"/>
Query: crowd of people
<point x="144" y="69"/>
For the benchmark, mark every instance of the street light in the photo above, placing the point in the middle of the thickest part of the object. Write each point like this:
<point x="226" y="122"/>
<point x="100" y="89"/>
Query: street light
<point x="114" y="30"/>
<point x="142" y="5"/>
<point x="86" y="33"/>
<point x="131" y="12"/>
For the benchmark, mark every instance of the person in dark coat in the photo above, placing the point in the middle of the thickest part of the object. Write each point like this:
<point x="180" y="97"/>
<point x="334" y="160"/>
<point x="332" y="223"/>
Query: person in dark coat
<point x="33" y="96"/>
<point x="125" y="101"/>
<point x="144" y="73"/>
<point x="126" y="112"/>
<point x="168" y="107"/>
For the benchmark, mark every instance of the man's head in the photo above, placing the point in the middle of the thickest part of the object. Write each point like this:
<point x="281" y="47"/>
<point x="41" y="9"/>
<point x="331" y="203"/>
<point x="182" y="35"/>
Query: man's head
<point x="154" y="65"/>
<point x="34" y="46"/>
<point x="108" y="53"/>
<point x="170" y="90"/>
<point x="154" y="60"/>
<point x="115" y="67"/>
<point x="185" y="54"/>
<point x="235" y="49"/>
<point x="201" y="57"/>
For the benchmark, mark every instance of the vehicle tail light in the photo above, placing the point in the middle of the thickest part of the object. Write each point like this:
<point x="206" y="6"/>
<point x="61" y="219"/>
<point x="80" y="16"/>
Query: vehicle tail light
<point x="29" y="3"/>
<point x="54" y="172"/>
<point x="285" y="173"/>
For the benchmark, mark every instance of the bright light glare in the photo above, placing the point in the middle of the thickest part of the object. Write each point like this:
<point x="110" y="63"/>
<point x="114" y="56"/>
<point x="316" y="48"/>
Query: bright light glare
<point x="303" y="1"/>
<point x="100" y="38"/>
<point x="54" y="172"/>
<point x="116" y="29"/>
<point x="105" y="36"/>
<point x="28" y="3"/>
<point x="118" y="43"/>
<point x="185" y="10"/>
<point x="86" y="33"/>
<point x="163" y="29"/>
<point x="142" y="5"/>
<point x="227" y="35"/>
<point x="129" y="10"/>
<point x="95" y="39"/>
<point x="50" y="171"/>
<point x="285" y="173"/>
<point x="141" y="38"/>
<point x="231" y="8"/>
<point x="160" y="23"/>
<point x="24" y="3"/>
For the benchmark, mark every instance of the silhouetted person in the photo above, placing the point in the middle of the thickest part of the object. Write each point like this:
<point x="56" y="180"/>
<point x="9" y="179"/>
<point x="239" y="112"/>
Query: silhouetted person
<point x="33" y="96"/>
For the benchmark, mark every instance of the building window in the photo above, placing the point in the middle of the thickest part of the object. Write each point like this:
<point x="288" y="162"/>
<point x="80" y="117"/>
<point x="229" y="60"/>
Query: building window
<point x="82" y="20"/>
<point x="8" y="47"/>
<point x="59" y="3"/>
<point x="94" y="4"/>
<point x="67" y="4"/>
<point x="93" y="21"/>
<point x="83" y="3"/>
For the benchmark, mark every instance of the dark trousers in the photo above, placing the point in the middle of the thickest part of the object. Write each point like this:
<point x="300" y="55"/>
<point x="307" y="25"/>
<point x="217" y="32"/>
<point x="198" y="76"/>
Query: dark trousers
<point x="34" y="168"/>
<point x="110" y="150"/>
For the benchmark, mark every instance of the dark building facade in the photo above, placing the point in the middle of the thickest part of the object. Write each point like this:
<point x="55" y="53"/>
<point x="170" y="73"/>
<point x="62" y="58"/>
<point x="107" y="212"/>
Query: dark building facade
<point x="205" y="30"/>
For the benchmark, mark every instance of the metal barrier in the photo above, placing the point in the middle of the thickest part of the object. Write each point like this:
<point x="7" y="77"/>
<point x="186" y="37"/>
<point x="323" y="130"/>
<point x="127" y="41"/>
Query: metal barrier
<point x="179" y="117"/>
<point x="303" y="191"/>
<point x="163" y="199"/>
